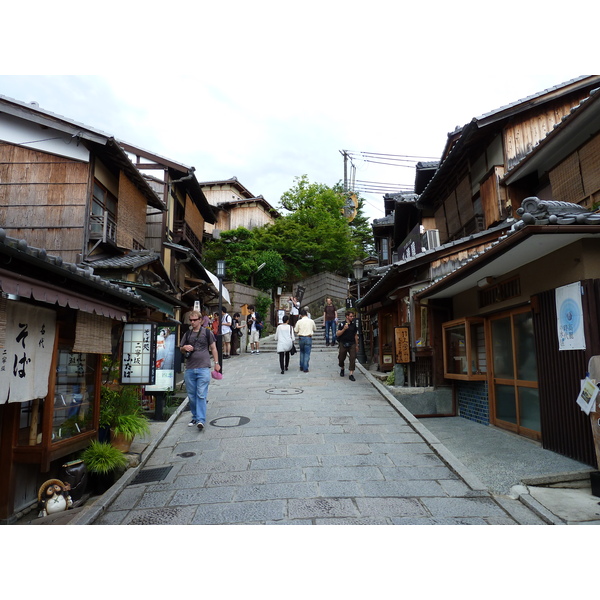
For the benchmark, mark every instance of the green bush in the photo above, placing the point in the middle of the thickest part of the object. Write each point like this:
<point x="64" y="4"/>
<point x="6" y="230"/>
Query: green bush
<point x="102" y="458"/>
<point x="391" y="378"/>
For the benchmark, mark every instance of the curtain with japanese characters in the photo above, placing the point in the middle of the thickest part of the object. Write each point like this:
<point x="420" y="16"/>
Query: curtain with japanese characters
<point x="26" y="355"/>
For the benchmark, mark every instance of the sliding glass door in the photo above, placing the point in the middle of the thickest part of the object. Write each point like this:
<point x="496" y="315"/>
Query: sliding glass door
<point x="514" y="381"/>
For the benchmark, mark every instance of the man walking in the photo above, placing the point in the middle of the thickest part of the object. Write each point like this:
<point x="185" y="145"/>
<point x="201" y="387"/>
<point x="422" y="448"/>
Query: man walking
<point x="200" y="343"/>
<point x="329" y="319"/>
<point x="347" y="336"/>
<point x="305" y="328"/>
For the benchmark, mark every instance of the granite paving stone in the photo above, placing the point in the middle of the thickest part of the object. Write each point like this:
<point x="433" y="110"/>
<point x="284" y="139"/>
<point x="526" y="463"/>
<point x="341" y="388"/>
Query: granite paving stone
<point x="240" y="512"/>
<point x="337" y="453"/>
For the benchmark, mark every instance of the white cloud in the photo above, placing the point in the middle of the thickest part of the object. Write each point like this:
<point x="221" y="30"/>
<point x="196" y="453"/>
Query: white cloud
<point x="267" y="91"/>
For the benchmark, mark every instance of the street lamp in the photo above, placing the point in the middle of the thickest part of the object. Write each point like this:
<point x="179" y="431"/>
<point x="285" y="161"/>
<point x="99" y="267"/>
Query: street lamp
<point x="220" y="275"/>
<point x="359" y="269"/>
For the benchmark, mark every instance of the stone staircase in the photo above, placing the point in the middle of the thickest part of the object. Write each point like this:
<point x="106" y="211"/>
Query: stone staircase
<point x="268" y="344"/>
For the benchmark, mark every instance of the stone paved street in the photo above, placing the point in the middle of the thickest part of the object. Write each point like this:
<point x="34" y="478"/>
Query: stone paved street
<point x="304" y="448"/>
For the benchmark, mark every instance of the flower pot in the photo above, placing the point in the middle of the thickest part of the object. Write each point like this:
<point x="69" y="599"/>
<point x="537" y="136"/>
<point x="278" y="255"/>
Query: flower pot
<point x="120" y="441"/>
<point x="101" y="482"/>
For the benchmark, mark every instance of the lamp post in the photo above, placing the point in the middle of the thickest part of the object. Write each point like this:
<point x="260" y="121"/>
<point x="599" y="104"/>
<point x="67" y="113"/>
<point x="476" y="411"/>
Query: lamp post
<point x="220" y="275"/>
<point x="359" y="269"/>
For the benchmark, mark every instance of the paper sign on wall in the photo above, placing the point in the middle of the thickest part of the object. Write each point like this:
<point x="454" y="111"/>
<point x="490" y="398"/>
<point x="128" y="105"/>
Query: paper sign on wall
<point x="569" y="314"/>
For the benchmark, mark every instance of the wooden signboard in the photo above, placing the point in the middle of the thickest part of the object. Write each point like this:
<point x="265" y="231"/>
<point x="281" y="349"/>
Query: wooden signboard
<point x="402" y="344"/>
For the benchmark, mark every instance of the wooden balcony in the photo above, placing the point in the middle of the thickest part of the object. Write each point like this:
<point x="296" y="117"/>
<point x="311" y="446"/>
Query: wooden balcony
<point x="103" y="227"/>
<point x="183" y="232"/>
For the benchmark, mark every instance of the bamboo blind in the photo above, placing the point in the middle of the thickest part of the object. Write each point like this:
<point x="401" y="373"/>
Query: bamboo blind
<point x="93" y="334"/>
<point x="193" y="218"/>
<point x="131" y="219"/>
<point x="589" y="160"/>
<point x="566" y="180"/>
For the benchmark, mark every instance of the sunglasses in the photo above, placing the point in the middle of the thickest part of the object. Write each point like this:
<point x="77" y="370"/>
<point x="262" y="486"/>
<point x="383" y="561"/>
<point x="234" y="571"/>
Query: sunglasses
<point x="194" y="319"/>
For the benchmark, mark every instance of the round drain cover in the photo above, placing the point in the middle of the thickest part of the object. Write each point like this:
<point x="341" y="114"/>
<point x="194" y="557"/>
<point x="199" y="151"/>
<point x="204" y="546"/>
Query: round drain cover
<point x="233" y="421"/>
<point x="187" y="454"/>
<point x="285" y="391"/>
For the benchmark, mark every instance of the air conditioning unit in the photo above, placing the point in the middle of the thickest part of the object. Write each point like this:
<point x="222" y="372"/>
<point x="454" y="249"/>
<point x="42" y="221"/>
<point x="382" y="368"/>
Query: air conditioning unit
<point x="433" y="238"/>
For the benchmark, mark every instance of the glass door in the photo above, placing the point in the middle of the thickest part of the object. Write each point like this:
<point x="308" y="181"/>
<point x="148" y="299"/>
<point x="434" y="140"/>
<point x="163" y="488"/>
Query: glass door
<point x="514" y="381"/>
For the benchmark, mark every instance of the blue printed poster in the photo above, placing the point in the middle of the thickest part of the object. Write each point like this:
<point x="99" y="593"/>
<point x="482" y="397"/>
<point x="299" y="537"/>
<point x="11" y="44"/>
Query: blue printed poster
<point x="569" y="314"/>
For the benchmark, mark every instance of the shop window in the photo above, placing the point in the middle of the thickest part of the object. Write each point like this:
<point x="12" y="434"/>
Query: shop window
<point x="73" y="395"/>
<point x="73" y="408"/>
<point x="464" y="349"/>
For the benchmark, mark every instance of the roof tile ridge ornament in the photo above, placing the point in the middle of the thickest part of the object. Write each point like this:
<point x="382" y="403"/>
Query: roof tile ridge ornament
<point x="534" y="211"/>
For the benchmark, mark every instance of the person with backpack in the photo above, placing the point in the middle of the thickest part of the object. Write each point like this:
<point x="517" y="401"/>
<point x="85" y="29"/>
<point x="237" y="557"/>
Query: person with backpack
<point x="197" y="345"/>
<point x="255" y="326"/>
<point x="226" y="332"/>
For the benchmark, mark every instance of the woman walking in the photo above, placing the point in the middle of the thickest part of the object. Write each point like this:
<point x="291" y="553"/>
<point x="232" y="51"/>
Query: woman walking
<point x="284" y="336"/>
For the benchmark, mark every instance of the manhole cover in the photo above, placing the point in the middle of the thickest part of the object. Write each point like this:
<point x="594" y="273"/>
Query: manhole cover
<point x="187" y="454"/>
<point x="285" y="391"/>
<point x="233" y="421"/>
<point x="147" y="475"/>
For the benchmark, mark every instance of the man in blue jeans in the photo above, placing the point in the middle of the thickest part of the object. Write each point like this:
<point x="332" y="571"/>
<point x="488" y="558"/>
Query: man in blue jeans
<point x="329" y="321"/>
<point x="305" y="328"/>
<point x="201" y="343"/>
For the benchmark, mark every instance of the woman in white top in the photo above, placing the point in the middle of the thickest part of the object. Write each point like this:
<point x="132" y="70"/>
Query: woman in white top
<point x="284" y="336"/>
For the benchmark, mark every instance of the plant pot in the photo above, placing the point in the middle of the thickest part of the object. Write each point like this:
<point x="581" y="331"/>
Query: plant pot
<point x="101" y="482"/>
<point x="104" y="434"/>
<point x="119" y="441"/>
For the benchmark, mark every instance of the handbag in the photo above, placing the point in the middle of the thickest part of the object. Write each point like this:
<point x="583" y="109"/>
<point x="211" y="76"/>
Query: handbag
<point x="293" y="349"/>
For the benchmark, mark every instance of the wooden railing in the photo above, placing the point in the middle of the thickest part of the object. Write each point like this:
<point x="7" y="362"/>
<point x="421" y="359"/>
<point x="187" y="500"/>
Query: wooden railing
<point x="103" y="227"/>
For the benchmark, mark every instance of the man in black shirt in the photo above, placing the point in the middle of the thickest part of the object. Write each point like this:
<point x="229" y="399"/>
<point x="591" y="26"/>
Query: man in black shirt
<point x="347" y="336"/>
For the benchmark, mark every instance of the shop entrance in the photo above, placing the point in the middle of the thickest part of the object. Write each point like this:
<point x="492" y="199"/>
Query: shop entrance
<point x="513" y="378"/>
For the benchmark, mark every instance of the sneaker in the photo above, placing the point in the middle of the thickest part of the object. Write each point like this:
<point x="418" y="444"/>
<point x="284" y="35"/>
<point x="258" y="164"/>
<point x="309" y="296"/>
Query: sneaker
<point x="351" y="378"/>
<point x="200" y="425"/>
<point x="258" y="352"/>
<point x="341" y="372"/>
<point x="192" y="423"/>
<point x="253" y="352"/>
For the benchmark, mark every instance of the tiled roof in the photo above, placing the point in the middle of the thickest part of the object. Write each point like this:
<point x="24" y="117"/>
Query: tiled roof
<point x="39" y="257"/>
<point x="133" y="260"/>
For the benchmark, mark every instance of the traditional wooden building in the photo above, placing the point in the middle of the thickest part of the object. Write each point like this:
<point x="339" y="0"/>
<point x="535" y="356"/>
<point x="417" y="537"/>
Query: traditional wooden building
<point x="514" y="199"/>
<point x="57" y="320"/>
<point x="236" y="206"/>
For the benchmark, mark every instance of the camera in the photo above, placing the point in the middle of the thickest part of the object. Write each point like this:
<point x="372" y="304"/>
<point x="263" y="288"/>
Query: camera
<point x="187" y="353"/>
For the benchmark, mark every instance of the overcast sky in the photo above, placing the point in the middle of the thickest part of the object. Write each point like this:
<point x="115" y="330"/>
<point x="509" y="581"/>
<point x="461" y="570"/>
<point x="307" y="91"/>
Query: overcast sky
<point x="267" y="91"/>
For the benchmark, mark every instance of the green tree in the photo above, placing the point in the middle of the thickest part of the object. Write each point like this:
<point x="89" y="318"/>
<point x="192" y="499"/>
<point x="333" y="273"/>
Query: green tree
<point x="312" y="236"/>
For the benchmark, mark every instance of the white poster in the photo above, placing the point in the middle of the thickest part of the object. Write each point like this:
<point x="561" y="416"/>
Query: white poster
<point x="569" y="315"/>
<point x="587" y="395"/>
<point x="26" y="359"/>
<point x="165" y="360"/>
<point x="138" y="364"/>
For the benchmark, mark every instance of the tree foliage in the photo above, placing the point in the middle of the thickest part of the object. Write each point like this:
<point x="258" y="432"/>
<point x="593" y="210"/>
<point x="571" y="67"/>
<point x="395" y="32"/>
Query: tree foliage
<point x="312" y="236"/>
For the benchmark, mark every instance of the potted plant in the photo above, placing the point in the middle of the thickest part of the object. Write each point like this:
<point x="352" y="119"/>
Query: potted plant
<point x="121" y="412"/>
<point x="103" y="461"/>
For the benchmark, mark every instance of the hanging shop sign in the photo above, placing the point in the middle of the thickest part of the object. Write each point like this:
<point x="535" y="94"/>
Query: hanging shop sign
<point x="165" y="360"/>
<point x="138" y="363"/>
<point x="26" y="355"/>
<point x="569" y="314"/>
<point x="402" y="345"/>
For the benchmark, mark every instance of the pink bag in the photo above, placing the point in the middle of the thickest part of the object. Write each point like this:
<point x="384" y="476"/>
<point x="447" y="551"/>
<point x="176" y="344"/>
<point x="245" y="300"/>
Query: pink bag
<point x="216" y="375"/>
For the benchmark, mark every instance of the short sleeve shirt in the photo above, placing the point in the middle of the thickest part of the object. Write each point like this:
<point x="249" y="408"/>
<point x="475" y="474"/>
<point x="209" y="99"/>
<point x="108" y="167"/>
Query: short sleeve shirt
<point x="201" y="340"/>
